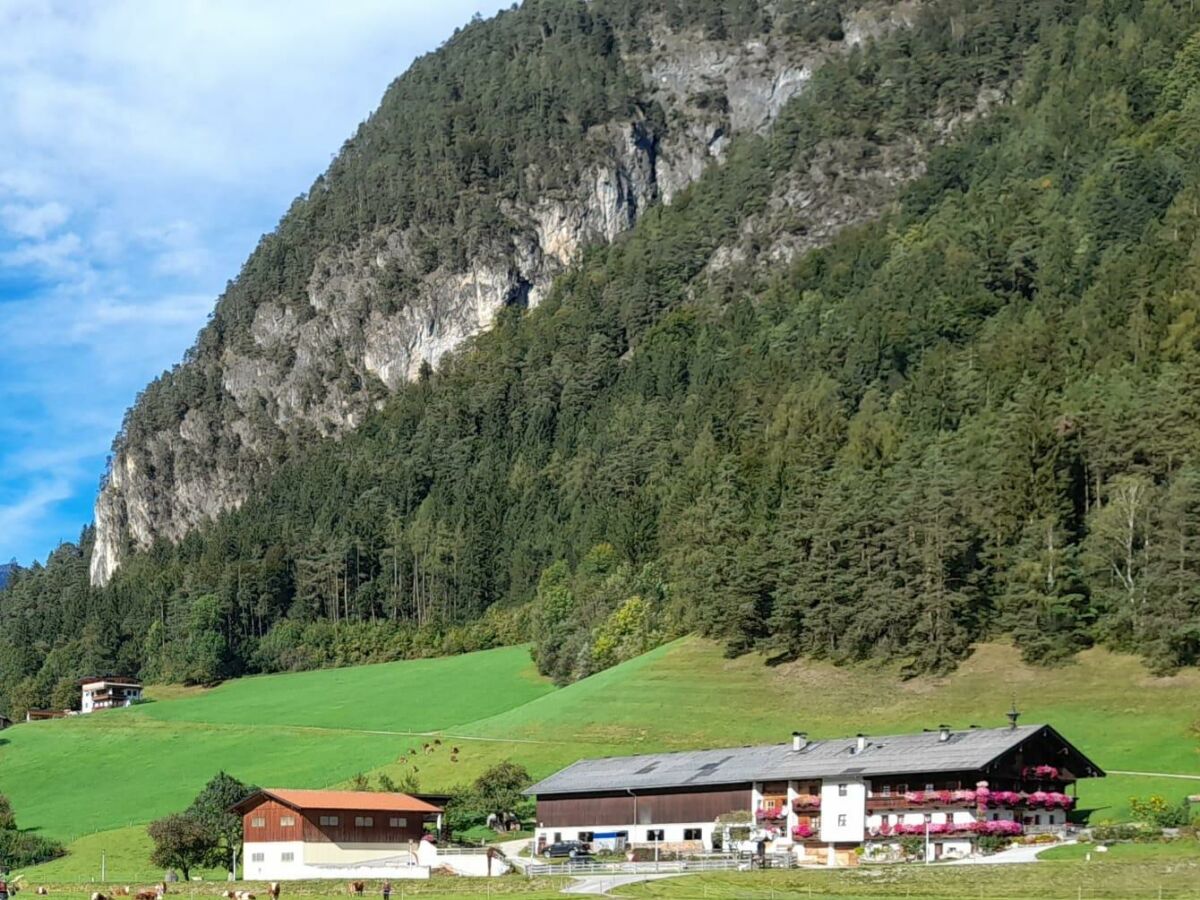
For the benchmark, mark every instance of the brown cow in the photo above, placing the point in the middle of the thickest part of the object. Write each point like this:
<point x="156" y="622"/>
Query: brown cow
<point x="273" y="890"/>
<point x="96" y="895"/>
<point x="357" y="888"/>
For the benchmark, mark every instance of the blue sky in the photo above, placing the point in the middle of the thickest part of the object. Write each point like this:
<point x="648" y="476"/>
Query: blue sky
<point x="144" y="147"/>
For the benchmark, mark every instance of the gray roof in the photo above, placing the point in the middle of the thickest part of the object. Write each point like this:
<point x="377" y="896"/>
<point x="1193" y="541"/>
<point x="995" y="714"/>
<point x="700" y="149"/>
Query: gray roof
<point x="897" y="754"/>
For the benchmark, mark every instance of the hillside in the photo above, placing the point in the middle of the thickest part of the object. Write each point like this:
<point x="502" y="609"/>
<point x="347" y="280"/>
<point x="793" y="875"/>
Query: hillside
<point x="310" y="729"/>
<point x="486" y="170"/>
<point x="319" y="729"/>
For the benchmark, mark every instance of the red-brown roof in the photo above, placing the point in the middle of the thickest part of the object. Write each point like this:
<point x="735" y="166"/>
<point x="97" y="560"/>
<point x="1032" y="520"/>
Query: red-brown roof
<point x="371" y="801"/>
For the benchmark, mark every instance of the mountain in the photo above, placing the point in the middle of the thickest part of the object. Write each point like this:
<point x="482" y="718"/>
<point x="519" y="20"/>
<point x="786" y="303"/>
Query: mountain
<point x="486" y="170"/>
<point x="908" y="365"/>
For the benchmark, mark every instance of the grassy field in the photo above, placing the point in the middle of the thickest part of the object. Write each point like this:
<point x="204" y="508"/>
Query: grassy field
<point x="445" y="887"/>
<point x="688" y="695"/>
<point x="72" y="777"/>
<point x="1129" y="880"/>
<point x="1182" y="849"/>
<point x="119" y="769"/>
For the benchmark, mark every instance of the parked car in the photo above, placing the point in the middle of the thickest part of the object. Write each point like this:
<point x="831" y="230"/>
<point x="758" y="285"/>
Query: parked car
<point x="571" y="849"/>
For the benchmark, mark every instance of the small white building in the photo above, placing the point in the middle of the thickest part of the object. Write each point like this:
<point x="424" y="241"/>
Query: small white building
<point x="109" y="693"/>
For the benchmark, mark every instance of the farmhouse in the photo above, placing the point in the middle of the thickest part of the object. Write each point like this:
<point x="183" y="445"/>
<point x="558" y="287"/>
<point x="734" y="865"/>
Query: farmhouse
<point x="293" y="834"/>
<point x="822" y="799"/>
<point x="109" y="692"/>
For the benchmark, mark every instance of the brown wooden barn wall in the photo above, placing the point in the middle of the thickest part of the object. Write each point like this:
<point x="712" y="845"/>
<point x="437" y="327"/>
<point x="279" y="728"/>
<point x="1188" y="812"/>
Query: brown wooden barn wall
<point x="653" y="808"/>
<point x="308" y="826"/>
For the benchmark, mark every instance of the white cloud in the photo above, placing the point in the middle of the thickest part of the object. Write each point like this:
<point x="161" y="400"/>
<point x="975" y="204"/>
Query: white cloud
<point x="28" y="221"/>
<point x="60" y="254"/>
<point x="22" y="514"/>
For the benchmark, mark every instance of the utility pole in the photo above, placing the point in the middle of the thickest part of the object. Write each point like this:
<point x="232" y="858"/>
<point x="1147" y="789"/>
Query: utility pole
<point x="103" y="866"/>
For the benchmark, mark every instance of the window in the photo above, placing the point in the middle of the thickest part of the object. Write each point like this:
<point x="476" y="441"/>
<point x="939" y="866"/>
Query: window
<point x="287" y="857"/>
<point x="364" y="821"/>
<point x="258" y="822"/>
<point x="654" y="835"/>
<point x="693" y="834"/>
<point x="586" y="836"/>
<point x="256" y="857"/>
<point x="885" y="791"/>
<point x="397" y="822"/>
<point x="329" y="820"/>
<point x="928" y="786"/>
<point x="842" y="820"/>
<point x="287" y="821"/>
<point x="842" y="790"/>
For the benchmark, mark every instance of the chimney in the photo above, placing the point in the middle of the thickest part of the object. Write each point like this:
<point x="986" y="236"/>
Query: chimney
<point x="861" y="745"/>
<point x="943" y="733"/>
<point x="1013" y="715"/>
<point x="799" y="740"/>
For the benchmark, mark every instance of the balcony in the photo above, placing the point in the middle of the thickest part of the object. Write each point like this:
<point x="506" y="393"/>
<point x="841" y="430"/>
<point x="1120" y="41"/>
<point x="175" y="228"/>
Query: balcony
<point x="806" y="802"/>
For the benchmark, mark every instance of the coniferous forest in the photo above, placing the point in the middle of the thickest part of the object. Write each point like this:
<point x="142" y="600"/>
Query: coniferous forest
<point x="976" y="417"/>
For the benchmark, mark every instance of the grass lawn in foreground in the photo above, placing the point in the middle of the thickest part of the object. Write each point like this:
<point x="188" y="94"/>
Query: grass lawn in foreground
<point x="126" y="854"/>
<point x="1117" y="880"/>
<point x="447" y="887"/>
<point x="1179" y="849"/>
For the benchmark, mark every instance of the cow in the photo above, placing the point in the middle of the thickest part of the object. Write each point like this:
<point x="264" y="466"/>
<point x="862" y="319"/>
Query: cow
<point x="96" y="895"/>
<point x="357" y="888"/>
<point x="122" y="891"/>
<point x="42" y="891"/>
<point x="273" y="890"/>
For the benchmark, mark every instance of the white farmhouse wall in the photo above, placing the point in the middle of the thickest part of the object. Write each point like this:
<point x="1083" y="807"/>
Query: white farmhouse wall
<point x="268" y="861"/>
<point x="852" y="806"/>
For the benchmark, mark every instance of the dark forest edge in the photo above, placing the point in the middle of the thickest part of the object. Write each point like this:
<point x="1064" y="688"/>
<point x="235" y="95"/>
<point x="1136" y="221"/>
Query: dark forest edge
<point x="975" y="417"/>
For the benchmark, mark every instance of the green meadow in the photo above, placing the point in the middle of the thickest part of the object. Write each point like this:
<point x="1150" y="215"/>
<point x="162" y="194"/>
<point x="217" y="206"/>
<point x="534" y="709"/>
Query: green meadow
<point x="82" y="779"/>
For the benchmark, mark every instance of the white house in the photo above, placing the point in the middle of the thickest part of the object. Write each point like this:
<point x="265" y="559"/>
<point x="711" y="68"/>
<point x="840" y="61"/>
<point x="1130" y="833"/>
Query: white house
<point x="107" y="693"/>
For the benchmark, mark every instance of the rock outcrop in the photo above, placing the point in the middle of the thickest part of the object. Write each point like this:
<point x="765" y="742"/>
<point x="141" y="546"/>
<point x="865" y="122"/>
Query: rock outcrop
<point x="318" y="368"/>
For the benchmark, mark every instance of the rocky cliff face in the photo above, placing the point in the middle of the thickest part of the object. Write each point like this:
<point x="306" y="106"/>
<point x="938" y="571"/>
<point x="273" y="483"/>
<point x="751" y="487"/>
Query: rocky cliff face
<point x="372" y="318"/>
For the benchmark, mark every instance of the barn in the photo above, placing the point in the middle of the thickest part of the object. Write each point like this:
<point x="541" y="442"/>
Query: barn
<point x="290" y="834"/>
